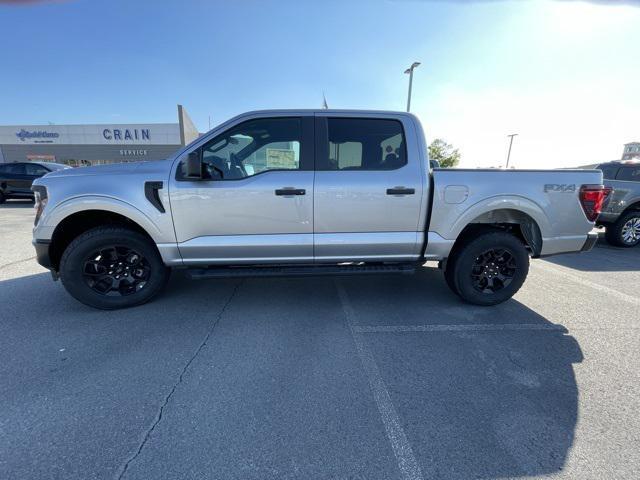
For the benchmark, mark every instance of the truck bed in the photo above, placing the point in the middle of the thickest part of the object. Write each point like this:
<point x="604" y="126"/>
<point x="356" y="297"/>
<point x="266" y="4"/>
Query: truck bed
<point x="549" y="197"/>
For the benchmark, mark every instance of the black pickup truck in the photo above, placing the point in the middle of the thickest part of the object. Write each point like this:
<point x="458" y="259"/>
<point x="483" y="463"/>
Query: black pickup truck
<point x="16" y="178"/>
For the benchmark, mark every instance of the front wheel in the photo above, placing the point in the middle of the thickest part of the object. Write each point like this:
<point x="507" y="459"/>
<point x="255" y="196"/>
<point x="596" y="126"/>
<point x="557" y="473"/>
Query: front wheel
<point x="625" y="232"/>
<point x="112" y="267"/>
<point x="489" y="269"/>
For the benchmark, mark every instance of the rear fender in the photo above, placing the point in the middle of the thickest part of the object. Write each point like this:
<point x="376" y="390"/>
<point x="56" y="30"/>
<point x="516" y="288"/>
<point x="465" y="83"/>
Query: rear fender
<point x="483" y="211"/>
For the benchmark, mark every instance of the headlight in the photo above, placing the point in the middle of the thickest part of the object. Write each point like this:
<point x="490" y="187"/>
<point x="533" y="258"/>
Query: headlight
<point x="41" y="198"/>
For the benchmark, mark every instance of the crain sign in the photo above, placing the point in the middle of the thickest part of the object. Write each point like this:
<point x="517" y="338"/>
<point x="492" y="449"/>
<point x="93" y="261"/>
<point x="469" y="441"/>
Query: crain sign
<point x="560" y="187"/>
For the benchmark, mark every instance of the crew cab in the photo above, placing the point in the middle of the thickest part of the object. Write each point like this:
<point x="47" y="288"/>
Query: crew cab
<point x="303" y="192"/>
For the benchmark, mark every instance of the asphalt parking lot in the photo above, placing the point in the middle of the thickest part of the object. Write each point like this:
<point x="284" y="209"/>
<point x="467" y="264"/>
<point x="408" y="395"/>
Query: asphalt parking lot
<point x="358" y="377"/>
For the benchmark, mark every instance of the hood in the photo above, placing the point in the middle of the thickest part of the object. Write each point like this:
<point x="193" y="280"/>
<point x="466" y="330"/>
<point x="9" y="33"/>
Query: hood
<point x="154" y="166"/>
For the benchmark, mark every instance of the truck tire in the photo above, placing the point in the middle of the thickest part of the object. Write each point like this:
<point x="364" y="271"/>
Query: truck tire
<point x="488" y="269"/>
<point x="2" y="197"/>
<point x="112" y="267"/>
<point x="625" y="232"/>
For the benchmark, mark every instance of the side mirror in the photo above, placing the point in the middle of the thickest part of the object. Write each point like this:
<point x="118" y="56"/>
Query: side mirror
<point x="193" y="166"/>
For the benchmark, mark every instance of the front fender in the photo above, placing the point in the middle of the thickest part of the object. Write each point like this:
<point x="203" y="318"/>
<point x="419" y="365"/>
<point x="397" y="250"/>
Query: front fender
<point x="109" y="204"/>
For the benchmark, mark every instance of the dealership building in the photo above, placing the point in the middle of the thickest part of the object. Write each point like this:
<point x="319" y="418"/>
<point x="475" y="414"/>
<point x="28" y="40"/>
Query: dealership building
<point x="80" y="145"/>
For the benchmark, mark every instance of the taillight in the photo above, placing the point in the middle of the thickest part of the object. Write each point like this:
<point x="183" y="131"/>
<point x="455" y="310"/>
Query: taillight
<point x="592" y="199"/>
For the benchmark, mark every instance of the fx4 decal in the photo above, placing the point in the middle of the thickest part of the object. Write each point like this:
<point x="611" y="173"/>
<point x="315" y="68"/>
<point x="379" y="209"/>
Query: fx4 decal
<point x="560" y="187"/>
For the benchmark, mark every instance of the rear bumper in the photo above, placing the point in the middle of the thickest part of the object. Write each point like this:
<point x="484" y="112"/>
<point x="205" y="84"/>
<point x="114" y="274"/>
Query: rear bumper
<point x="592" y="238"/>
<point x="569" y="244"/>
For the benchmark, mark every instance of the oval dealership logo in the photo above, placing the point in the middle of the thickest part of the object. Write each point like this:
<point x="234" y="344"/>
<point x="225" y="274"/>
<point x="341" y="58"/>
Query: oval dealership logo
<point x="37" y="134"/>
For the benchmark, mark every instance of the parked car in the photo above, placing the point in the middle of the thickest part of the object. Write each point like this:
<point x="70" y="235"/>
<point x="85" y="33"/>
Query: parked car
<point x="621" y="211"/>
<point x="306" y="193"/>
<point x="16" y="178"/>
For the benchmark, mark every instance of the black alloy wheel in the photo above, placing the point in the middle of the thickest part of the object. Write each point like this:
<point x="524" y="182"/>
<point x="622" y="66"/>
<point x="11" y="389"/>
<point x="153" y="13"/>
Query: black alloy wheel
<point x="488" y="267"/>
<point x="116" y="270"/>
<point x="493" y="270"/>
<point x="111" y="267"/>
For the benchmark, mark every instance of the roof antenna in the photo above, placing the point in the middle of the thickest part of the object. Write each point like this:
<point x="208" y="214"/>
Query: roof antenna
<point x="324" y="102"/>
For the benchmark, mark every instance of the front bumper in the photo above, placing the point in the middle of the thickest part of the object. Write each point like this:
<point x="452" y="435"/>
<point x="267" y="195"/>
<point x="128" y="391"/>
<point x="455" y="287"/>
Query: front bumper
<point x="42" y="252"/>
<point x="592" y="239"/>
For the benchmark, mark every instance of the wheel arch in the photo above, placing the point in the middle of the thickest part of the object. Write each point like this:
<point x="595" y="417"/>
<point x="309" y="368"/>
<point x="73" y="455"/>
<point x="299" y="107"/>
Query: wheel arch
<point x="517" y="222"/>
<point x="75" y="224"/>
<point x="635" y="205"/>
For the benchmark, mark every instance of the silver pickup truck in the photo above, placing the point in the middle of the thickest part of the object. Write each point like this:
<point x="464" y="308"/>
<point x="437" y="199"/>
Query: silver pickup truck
<point x="305" y="192"/>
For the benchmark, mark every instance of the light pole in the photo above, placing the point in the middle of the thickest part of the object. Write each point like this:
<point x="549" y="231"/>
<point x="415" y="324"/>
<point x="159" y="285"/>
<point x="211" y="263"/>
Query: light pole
<point x="510" y="144"/>
<point x="410" y="72"/>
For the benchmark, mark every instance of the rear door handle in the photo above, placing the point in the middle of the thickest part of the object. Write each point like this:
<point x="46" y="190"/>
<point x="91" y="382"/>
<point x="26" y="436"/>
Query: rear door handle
<point x="401" y="191"/>
<point x="291" y="191"/>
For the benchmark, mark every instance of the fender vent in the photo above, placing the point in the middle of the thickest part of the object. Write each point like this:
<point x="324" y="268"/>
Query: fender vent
<point x="151" y="192"/>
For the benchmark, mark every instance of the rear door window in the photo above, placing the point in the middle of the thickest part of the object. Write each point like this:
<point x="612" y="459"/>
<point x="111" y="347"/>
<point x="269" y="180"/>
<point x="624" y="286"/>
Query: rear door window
<point x="630" y="174"/>
<point x="365" y="144"/>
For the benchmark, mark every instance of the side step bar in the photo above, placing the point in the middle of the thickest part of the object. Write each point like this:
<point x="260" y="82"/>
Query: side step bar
<point x="298" y="271"/>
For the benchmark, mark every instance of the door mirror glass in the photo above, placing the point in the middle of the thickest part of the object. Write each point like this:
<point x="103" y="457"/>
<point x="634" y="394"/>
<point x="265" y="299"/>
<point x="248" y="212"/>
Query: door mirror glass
<point x="192" y="166"/>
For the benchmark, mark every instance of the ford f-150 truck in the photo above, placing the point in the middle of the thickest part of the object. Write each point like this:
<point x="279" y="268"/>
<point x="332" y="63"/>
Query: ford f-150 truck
<point x="621" y="210"/>
<point x="306" y="192"/>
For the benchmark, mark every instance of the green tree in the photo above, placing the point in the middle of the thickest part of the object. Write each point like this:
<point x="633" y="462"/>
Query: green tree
<point x="444" y="153"/>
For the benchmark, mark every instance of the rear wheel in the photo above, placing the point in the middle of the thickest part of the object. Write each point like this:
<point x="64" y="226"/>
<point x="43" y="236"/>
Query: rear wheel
<point x="489" y="269"/>
<point x="112" y="267"/>
<point x="2" y="197"/>
<point x="625" y="232"/>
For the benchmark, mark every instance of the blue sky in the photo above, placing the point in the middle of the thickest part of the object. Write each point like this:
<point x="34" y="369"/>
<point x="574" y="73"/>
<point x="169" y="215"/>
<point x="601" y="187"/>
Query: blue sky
<point x="565" y="75"/>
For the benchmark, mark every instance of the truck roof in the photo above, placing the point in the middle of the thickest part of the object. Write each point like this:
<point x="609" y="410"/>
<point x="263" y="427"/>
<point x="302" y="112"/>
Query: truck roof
<point x="631" y="161"/>
<point x="325" y="111"/>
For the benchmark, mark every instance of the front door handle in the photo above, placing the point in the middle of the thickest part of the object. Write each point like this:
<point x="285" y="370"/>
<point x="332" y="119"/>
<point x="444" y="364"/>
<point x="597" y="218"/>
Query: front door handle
<point x="291" y="191"/>
<point x="400" y="191"/>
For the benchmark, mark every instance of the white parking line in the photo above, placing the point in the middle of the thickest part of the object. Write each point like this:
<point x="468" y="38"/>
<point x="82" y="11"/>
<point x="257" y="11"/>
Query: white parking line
<point x="407" y="463"/>
<point x="564" y="272"/>
<point x="481" y="327"/>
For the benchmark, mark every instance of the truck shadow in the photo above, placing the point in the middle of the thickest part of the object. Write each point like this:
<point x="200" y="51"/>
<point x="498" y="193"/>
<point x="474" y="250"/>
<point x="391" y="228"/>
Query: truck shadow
<point x="603" y="258"/>
<point x="474" y="404"/>
<point x="494" y="403"/>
